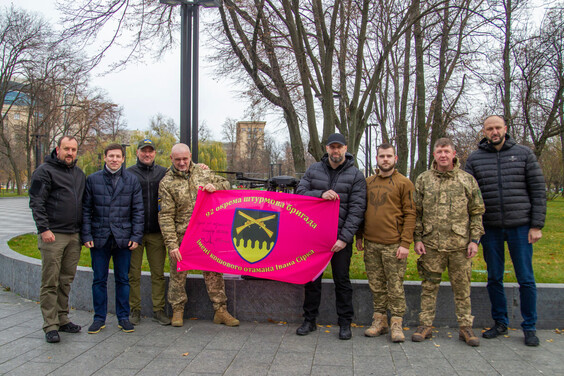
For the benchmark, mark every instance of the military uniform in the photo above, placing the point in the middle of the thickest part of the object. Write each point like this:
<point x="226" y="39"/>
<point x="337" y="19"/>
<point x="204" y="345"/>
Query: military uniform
<point x="449" y="215"/>
<point x="177" y="193"/>
<point x="389" y="221"/>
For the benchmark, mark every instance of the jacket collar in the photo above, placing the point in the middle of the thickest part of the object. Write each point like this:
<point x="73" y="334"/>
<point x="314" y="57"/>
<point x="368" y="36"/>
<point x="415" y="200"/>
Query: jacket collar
<point x="183" y="174"/>
<point x="487" y="146"/>
<point x="446" y="174"/>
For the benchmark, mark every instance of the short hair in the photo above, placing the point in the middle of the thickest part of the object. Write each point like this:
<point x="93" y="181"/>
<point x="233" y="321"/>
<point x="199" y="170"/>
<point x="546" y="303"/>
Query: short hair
<point x="70" y="138"/>
<point x="442" y="142"/>
<point x="498" y="116"/>
<point x="384" y="146"/>
<point x="114" y="147"/>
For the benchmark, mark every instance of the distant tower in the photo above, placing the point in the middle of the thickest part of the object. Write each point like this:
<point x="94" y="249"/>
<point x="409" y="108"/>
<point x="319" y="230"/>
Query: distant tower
<point x="249" y="145"/>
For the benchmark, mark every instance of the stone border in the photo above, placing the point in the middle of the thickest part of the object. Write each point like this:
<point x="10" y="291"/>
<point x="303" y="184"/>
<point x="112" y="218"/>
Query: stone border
<point x="263" y="300"/>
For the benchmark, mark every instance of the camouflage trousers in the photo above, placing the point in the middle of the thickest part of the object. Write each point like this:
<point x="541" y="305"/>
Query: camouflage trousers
<point x="430" y="267"/>
<point x="385" y="277"/>
<point x="177" y="297"/>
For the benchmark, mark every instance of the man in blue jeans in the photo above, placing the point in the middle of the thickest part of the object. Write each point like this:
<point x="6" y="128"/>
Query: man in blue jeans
<point x="113" y="220"/>
<point x="514" y="194"/>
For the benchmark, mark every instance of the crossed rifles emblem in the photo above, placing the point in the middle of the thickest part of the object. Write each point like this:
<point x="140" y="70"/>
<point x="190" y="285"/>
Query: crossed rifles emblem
<point x="258" y="221"/>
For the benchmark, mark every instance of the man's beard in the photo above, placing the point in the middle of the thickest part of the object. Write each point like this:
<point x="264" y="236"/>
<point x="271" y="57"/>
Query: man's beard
<point x="337" y="159"/>
<point x="392" y="166"/>
<point x="497" y="142"/>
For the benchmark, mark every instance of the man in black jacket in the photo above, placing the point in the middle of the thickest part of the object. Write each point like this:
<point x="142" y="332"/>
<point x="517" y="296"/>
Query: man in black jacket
<point x="112" y="227"/>
<point x="55" y="198"/>
<point x="149" y="174"/>
<point x="335" y="177"/>
<point x="514" y="193"/>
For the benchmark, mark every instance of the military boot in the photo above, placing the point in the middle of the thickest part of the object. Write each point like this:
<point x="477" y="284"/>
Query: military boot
<point x="223" y="317"/>
<point x="379" y="325"/>
<point x="422" y="332"/>
<point x="467" y="335"/>
<point x="397" y="329"/>
<point x="177" y="318"/>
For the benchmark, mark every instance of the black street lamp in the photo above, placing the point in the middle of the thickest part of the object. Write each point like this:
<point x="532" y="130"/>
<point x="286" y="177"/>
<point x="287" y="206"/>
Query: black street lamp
<point x="189" y="56"/>
<point x="368" y="148"/>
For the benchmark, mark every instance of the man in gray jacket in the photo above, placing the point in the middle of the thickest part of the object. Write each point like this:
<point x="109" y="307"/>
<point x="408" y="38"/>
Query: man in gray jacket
<point x="514" y="194"/>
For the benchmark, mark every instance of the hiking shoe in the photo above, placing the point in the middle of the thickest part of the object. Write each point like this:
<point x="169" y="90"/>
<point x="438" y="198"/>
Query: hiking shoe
<point x="467" y="335"/>
<point x="161" y="317"/>
<point x="306" y="328"/>
<point x="126" y="326"/>
<point x="52" y="336"/>
<point x="96" y="327"/>
<point x="135" y="317"/>
<point x="422" y="332"/>
<point x="531" y="338"/>
<point x="345" y="332"/>
<point x="69" y="327"/>
<point x="379" y="325"/>
<point x="497" y="330"/>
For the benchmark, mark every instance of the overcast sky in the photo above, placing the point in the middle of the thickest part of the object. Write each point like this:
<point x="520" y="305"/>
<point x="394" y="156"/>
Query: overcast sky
<point x="147" y="89"/>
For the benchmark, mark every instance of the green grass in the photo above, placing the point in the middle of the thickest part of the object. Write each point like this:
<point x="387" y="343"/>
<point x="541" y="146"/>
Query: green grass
<point x="548" y="261"/>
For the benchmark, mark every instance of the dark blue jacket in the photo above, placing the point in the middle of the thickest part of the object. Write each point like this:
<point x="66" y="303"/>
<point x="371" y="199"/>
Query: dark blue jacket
<point x="116" y="212"/>
<point x="348" y="183"/>
<point x="511" y="183"/>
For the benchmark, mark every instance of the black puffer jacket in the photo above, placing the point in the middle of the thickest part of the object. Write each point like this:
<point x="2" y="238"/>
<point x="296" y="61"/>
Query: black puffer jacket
<point x="55" y="196"/>
<point x="511" y="182"/>
<point x="149" y="177"/>
<point x="348" y="183"/>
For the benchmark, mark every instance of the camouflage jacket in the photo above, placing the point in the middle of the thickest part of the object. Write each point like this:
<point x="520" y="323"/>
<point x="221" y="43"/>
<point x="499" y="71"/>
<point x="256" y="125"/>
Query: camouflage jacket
<point x="449" y="209"/>
<point x="177" y="196"/>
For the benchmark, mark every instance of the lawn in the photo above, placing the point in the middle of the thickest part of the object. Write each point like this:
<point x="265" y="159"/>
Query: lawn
<point x="548" y="260"/>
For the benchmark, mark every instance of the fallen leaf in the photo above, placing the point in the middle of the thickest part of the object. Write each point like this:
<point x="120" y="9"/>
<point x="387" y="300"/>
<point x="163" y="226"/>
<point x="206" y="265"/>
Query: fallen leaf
<point x="405" y="328"/>
<point x="437" y="345"/>
<point x="327" y="331"/>
<point x="186" y="354"/>
<point x="550" y="340"/>
<point x="506" y="336"/>
<point x="193" y="318"/>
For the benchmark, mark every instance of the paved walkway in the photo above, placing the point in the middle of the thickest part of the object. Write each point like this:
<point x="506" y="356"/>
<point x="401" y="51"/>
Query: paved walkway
<point x="203" y="348"/>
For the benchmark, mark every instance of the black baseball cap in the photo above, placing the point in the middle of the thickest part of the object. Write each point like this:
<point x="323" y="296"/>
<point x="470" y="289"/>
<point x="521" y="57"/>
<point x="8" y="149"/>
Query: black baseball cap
<point x="146" y="142"/>
<point x="336" y="138"/>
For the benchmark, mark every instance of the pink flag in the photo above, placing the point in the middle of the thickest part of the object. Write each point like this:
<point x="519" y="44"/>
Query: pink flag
<point x="270" y="235"/>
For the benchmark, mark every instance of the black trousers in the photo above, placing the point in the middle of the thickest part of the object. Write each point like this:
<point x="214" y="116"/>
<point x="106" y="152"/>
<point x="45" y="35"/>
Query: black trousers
<point x="340" y="263"/>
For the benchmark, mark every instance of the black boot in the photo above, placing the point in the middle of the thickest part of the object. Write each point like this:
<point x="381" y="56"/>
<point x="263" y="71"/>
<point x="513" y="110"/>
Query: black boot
<point x="345" y="331"/>
<point x="306" y="328"/>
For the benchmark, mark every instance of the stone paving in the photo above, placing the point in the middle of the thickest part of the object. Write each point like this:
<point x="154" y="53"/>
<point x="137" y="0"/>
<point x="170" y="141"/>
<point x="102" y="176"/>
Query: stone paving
<point x="265" y="348"/>
<point x="203" y="348"/>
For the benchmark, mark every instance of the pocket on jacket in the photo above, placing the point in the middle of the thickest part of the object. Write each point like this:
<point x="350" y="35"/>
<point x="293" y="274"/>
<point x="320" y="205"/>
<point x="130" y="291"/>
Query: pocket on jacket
<point x="460" y="229"/>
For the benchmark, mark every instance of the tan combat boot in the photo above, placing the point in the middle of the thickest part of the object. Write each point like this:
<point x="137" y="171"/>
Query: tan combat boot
<point x="177" y="318"/>
<point x="397" y="329"/>
<point x="223" y="317"/>
<point x="467" y="335"/>
<point x="422" y="332"/>
<point x="379" y="325"/>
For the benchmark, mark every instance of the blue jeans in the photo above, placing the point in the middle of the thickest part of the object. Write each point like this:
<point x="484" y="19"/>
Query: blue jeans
<point x="521" y="253"/>
<point x="100" y="264"/>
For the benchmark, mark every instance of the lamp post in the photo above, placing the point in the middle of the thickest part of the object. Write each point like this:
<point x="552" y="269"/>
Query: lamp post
<point x="368" y="149"/>
<point x="189" y="56"/>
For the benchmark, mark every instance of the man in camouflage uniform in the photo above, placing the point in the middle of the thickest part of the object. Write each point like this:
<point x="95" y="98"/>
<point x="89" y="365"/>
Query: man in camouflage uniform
<point x="447" y="231"/>
<point x="389" y="221"/>
<point x="177" y="192"/>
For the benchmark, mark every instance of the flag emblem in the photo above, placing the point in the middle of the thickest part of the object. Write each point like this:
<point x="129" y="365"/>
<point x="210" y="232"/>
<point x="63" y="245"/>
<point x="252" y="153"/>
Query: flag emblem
<point x="254" y="233"/>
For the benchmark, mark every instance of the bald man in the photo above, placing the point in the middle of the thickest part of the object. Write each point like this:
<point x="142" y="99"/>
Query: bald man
<point x="177" y="192"/>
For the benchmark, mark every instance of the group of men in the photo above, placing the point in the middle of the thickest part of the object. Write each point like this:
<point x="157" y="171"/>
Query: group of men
<point x="118" y="213"/>
<point x="447" y="218"/>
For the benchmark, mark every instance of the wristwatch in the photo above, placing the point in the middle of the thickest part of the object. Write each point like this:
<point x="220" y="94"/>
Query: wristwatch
<point x="475" y="241"/>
